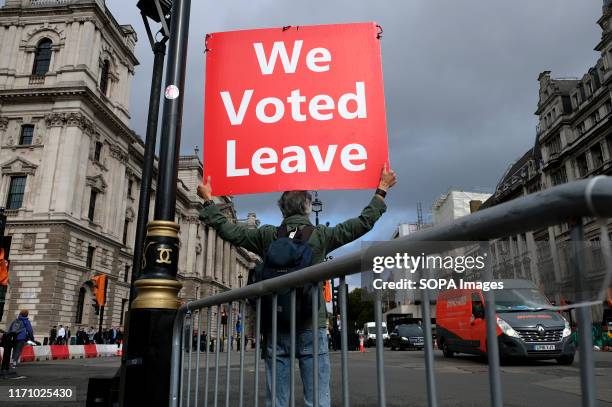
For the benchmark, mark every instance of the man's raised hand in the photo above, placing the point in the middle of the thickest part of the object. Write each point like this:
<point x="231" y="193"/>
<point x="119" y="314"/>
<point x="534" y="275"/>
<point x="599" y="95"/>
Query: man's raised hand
<point x="387" y="179"/>
<point x="205" y="190"/>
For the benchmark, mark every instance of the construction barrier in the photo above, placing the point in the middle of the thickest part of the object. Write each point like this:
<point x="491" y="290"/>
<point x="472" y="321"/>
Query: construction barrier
<point x="75" y="351"/>
<point x="106" y="350"/>
<point x="59" y="352"/>
<point x="27" y="354"/>
<point x="91" y="351"/>
<point x="42" y="352"/>
<point x="48" y="352"/>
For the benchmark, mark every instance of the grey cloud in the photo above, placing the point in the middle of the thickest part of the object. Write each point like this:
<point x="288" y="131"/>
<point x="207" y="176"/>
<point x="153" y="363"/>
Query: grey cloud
<point x="460" y="83"/>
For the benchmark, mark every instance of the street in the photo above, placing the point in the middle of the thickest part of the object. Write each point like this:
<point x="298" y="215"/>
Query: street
<point x="461" y="381"/>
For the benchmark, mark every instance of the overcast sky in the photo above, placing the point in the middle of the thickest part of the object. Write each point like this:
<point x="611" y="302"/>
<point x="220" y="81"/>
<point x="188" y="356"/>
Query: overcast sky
<point x="460" y="84"/>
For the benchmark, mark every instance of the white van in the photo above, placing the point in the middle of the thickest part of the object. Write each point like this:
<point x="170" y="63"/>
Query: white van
<point x="369" y="333"/>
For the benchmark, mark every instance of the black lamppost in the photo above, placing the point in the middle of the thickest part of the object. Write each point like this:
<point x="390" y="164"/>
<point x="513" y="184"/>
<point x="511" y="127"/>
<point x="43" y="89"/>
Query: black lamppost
<point x="159" y="50"/>
<point x="317" y="206"/>
<point x="145" y="376"/>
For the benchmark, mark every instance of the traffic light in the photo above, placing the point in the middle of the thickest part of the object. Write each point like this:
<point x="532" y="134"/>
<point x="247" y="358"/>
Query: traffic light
<point x="99" y="289"/>
<point x="3" y="268"/>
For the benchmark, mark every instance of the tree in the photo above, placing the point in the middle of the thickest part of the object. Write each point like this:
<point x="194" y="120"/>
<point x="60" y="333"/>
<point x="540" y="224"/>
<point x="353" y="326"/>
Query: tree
<point x="360" y="307"/>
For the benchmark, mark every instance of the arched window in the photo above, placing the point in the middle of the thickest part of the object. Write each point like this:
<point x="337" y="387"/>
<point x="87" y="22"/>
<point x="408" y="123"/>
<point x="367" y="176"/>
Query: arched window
<point x="80" y="303"/>
<point x="42" y="57"/>
<point x="104" y="76"/>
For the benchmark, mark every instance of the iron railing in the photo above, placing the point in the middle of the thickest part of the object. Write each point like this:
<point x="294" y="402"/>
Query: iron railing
<point x="571" y="201"/>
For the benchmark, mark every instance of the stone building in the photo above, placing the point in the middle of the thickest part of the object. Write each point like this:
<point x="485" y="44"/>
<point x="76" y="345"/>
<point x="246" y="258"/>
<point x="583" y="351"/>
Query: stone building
<point x="573" y="141"/>
<point x="70" y="169"/>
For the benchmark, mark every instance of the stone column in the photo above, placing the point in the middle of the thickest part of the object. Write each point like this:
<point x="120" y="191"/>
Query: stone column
<point x="218" y="258"/>
<point x="210" y="251"/>
<point x="226" y="264"/>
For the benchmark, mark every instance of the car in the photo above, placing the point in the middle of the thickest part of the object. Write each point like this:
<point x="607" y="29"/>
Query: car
<point x="407" y="336"/>
<point x="369" y="333"/>
<point x="526" y="325"/>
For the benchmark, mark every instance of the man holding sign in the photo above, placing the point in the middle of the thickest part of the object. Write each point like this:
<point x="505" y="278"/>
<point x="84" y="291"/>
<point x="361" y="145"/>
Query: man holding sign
<point x="295" y="109"/>
<point x="295" y="207"/>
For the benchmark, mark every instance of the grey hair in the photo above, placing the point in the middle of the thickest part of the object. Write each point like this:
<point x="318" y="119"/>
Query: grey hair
<point x="295" y="203"/>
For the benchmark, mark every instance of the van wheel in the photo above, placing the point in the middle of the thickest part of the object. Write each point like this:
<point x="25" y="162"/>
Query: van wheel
<point x="565" y="360"/>
<point x="445" y="351"/>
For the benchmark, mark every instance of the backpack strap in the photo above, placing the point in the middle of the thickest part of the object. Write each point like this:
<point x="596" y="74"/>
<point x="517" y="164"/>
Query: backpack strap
<point x="282" y="231"/>
<point x="304" y="233"/>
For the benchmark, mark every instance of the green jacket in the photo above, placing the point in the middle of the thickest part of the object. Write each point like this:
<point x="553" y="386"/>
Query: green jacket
<point x="323" y="239"/>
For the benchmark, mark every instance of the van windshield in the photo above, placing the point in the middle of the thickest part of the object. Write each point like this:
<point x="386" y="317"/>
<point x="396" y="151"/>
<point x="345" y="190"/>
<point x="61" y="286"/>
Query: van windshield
<point x="409" y="330"/>
<point x="372" y="330"/>
<point x="520" y="299"/>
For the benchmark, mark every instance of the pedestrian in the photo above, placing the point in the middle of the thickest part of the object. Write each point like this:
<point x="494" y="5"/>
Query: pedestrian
<point x="67" y="335"/>
<point x="113" y="335"/>
<point x="238" y="333"/>
<point x="61" y="335"/>
<point x="98" y="337"/>
<point x="22" y="329"/>
<point x="81" y="336"/>
<point x="90" y="335"/>
<point x="203" y="342"/>
<point x="7" y="342"/>
<point x="52" y="335"/>
<point x="295" y="207"/>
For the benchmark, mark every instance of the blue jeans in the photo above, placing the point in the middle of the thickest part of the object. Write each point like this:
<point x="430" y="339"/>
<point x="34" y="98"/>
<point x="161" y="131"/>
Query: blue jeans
<point x="303" y="353"/>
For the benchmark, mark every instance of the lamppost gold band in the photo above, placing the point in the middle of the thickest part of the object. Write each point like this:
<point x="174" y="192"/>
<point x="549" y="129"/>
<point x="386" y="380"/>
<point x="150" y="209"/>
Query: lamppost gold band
<point x="163" y="228"/>
<point x="157" y="293"/>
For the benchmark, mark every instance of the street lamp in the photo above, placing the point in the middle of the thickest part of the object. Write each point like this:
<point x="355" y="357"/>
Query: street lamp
<point x="317" y="206"/>
<point x="147" y="357"/>
<point x="240" y="280"/>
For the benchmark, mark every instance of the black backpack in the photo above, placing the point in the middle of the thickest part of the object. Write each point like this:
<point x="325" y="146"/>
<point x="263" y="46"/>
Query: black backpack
<point x="289" y="252"/>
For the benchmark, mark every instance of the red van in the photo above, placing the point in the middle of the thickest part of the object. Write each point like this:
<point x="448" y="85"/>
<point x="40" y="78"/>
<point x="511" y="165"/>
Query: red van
<point x="526" y="327"/>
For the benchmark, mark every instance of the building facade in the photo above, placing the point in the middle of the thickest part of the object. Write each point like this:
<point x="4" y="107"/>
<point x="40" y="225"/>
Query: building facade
<point x="573" y="141"/>
<point x="70" y="169"/>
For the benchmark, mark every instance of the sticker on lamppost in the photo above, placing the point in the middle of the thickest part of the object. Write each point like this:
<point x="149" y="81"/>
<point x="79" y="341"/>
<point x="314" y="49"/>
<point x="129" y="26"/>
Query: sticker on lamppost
<point x="294" y="108"/>
<point x="172" y="92"/>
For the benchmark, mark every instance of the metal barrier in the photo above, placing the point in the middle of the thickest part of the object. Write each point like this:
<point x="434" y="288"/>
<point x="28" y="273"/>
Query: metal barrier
<point x="568" y="202"/>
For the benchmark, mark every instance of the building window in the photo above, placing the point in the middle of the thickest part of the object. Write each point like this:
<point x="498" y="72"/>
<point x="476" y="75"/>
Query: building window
<point x="597" y="155"/>
<point x="126" y="225"/>
<point x="92" y="205"/>
<point x="608" y="106"/>
<point x="581" y="129"/>
<point x="80" y="302"/>
<point x="559" y="176"/>
<point x="581" y="165"/>
<point x="42" y="57"/>
<point x="104" y="77"/>
<point x="130" y="186"/>
<point x="98" y="151"/>
<point x="90" y="256"/>
<point x="16" y="190"/>
<point x="126" y="273"/>
<point x="27" y="133"/>
<point x="123" y="304"/>
<point x="554" y="146"/>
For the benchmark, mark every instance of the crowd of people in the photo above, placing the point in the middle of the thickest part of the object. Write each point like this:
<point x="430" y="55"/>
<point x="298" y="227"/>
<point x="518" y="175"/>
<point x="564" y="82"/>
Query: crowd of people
<point x="20" y="332"/>
<point x="84" y="336"/>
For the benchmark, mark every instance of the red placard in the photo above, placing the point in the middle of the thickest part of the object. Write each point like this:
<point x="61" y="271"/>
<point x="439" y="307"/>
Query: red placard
<point x="294" y="108"/>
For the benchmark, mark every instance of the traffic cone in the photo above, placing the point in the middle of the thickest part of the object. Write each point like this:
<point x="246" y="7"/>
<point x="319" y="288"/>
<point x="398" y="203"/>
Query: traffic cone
<point x="361" y="346"/>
